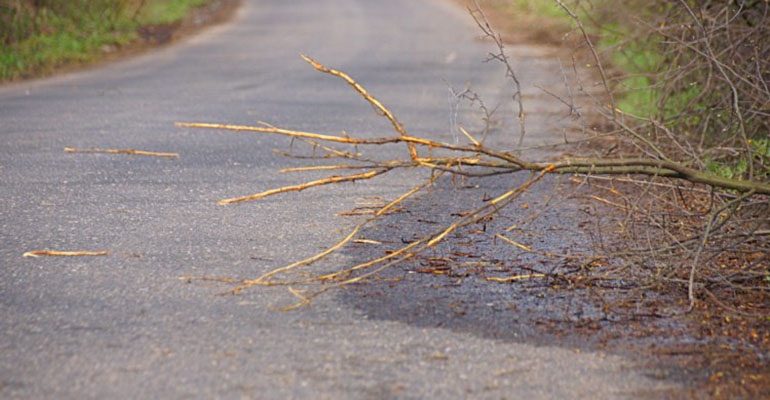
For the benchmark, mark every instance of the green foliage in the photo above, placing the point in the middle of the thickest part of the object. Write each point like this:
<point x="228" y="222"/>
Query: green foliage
<point x="637" y="87"/>
<point x="538" y="7"/>
<point x="698" y="69"/>
<point x="738" y="168"/>
<point x="760" y="149"/>
<point x="37" y="37"/>
<point x="703" y="59"/>
<point x="170" y="11"/>
<point x="728" y="170"/>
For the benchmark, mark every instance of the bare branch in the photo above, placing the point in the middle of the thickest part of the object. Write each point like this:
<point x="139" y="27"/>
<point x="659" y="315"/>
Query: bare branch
<point x="486" y="28"/>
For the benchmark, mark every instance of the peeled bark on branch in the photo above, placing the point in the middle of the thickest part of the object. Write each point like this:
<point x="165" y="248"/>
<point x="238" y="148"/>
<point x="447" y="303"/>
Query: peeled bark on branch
<point x="511" y="163"/>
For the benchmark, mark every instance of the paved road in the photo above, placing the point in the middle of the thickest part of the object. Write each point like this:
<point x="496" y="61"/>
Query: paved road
<point x="125" y="326"/>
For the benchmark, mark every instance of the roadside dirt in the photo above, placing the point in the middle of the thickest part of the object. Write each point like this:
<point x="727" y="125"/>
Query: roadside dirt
<point x="154" y="36"/>
<point x="215" y="12"/>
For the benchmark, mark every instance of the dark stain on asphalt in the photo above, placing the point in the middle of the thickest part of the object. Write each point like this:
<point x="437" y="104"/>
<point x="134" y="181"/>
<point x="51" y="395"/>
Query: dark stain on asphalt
<point x="447" y="286"/>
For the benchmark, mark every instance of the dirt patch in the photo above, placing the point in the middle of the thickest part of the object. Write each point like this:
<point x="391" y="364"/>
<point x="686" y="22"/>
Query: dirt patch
<point x="519" y="27"/>
<point x="154" y="36"/>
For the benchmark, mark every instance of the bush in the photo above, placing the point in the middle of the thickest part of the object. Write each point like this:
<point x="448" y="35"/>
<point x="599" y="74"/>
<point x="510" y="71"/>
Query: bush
<point x="692" y="76"/>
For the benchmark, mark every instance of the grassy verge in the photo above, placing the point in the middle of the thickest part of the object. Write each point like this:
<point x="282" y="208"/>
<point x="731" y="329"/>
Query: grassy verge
<point x="42" y="36"/>
<point x="545" y="22"/>
<point x="167" y="12"/>
<point x="526" y="21"/>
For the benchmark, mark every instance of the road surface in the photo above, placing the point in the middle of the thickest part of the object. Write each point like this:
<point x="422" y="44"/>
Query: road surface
<point x="124" y="326"/>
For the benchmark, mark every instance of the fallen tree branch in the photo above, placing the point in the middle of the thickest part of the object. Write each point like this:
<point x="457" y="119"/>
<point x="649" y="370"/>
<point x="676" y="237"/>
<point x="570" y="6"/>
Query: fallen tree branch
<point x="473" y="159"/>
<point x="598" y="166"/>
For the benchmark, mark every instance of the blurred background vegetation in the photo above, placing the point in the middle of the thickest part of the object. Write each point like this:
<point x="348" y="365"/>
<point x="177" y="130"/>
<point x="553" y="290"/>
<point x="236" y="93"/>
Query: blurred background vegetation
<point x="692" y="75"/>
<point x="38" y="36"/>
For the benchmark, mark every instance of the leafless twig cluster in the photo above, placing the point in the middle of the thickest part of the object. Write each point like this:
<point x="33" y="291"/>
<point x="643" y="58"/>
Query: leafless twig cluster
<point x="694" y="78"/>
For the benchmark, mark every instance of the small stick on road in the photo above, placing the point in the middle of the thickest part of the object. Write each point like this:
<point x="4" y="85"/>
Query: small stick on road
<point x="56" y="253"/>
<point x="127" y="151"/>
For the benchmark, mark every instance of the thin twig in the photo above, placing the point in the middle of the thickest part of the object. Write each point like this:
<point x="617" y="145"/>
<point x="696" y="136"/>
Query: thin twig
<point x="371" y="99"/>
<point x="127" y="151"/>
<point x="301" y="187"/>
<point x="57" y="253"/>
<point x="483" y="23"/>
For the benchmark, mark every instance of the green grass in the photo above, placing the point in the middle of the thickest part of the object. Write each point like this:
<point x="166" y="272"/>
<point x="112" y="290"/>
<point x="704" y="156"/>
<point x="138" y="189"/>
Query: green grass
<point x="636" y="91"/>
<point x="165" y="12"/>
<point x="537" y="7"/>
<point x="638" y="60"/>
<point x="35" y="41"/>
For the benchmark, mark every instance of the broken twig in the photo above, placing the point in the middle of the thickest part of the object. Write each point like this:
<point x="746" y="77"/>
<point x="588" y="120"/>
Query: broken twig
<point x="127" y="151"/>
<point x="56" y="253"/>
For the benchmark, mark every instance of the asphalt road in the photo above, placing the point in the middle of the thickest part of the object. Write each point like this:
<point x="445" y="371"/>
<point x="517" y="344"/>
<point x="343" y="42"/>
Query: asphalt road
<point x="124" y="326"/>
